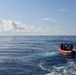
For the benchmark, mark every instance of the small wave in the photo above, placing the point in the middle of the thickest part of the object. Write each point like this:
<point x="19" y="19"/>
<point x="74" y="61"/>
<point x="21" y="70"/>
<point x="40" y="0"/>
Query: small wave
<point x="53" y="73"/>
<point x="46" y="54"/>
<point x="67" y="69"/>
<point x="50" y="54"/>
<point x="56" y="70"/>
<point x="8" y="59"/>
<point x="43" y="68"/>
<point x="71" y="67"/>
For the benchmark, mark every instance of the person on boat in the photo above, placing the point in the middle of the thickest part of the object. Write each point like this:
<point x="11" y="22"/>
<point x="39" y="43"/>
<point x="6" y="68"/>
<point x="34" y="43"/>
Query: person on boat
<point x="65" y="46"/>
<point x="62" y="46"/>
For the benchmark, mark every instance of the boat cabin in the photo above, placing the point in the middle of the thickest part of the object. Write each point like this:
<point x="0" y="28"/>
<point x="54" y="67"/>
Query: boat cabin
<point x="65" y="46"/>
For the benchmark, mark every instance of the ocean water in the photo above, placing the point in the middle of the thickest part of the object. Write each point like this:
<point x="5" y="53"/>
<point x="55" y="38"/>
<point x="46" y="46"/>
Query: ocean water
<point x="35" y="55"/>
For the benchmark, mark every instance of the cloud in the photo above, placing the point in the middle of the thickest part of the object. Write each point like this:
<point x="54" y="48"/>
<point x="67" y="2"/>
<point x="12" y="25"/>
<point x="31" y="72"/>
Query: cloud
<point x="19" y="27"/>
<point x="11" y="27"/>
<point x="47" y="19"/>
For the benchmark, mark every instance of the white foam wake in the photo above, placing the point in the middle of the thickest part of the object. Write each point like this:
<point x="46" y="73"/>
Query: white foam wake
<point x="46" y="54"/>
<point x="67" y="69"/>
<point x="43" y="68"/>
<point x="53" y="73"/>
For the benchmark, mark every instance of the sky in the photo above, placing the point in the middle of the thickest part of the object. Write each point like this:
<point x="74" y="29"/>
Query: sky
<point x="37" y="17"/>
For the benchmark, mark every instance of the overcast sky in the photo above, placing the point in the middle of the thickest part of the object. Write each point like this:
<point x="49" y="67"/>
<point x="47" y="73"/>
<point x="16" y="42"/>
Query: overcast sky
<point x="37" y="17"/>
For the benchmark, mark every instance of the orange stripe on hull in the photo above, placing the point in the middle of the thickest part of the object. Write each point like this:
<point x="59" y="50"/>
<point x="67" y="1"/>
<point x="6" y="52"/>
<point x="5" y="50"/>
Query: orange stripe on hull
<point x="69" y="52"/>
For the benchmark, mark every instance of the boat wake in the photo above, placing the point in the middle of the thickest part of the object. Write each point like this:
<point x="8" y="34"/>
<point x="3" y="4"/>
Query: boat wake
<point x="46" y="54"/>
<point x="43" y="68"/>
<point x="66" y="69"/>
<point x="41" y="55"/>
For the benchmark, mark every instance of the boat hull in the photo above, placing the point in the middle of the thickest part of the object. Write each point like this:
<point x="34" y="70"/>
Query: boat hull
<point x="64" y="52"/>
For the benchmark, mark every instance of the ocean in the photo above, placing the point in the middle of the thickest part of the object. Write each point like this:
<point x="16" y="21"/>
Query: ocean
<point x="35" y="55"/>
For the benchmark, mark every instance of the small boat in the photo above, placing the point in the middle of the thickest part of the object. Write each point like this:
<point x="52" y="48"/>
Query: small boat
<point x="66" y="52"/>
<point x="66" y="49"/>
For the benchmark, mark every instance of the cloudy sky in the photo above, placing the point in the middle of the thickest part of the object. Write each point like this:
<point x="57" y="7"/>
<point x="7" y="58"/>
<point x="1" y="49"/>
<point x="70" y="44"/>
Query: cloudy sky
<point x="37" y="17"/>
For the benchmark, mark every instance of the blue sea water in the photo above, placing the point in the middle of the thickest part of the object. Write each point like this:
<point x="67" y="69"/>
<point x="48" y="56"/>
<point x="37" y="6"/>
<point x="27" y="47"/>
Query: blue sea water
<point x="35" y="55"/>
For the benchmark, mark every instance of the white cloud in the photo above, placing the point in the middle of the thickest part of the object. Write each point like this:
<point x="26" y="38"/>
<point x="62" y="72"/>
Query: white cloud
<point x="17" y="27"/>
<point x="46" y="19"/>
<point x="49" y="19"/>
<point x="10" y="27"/>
